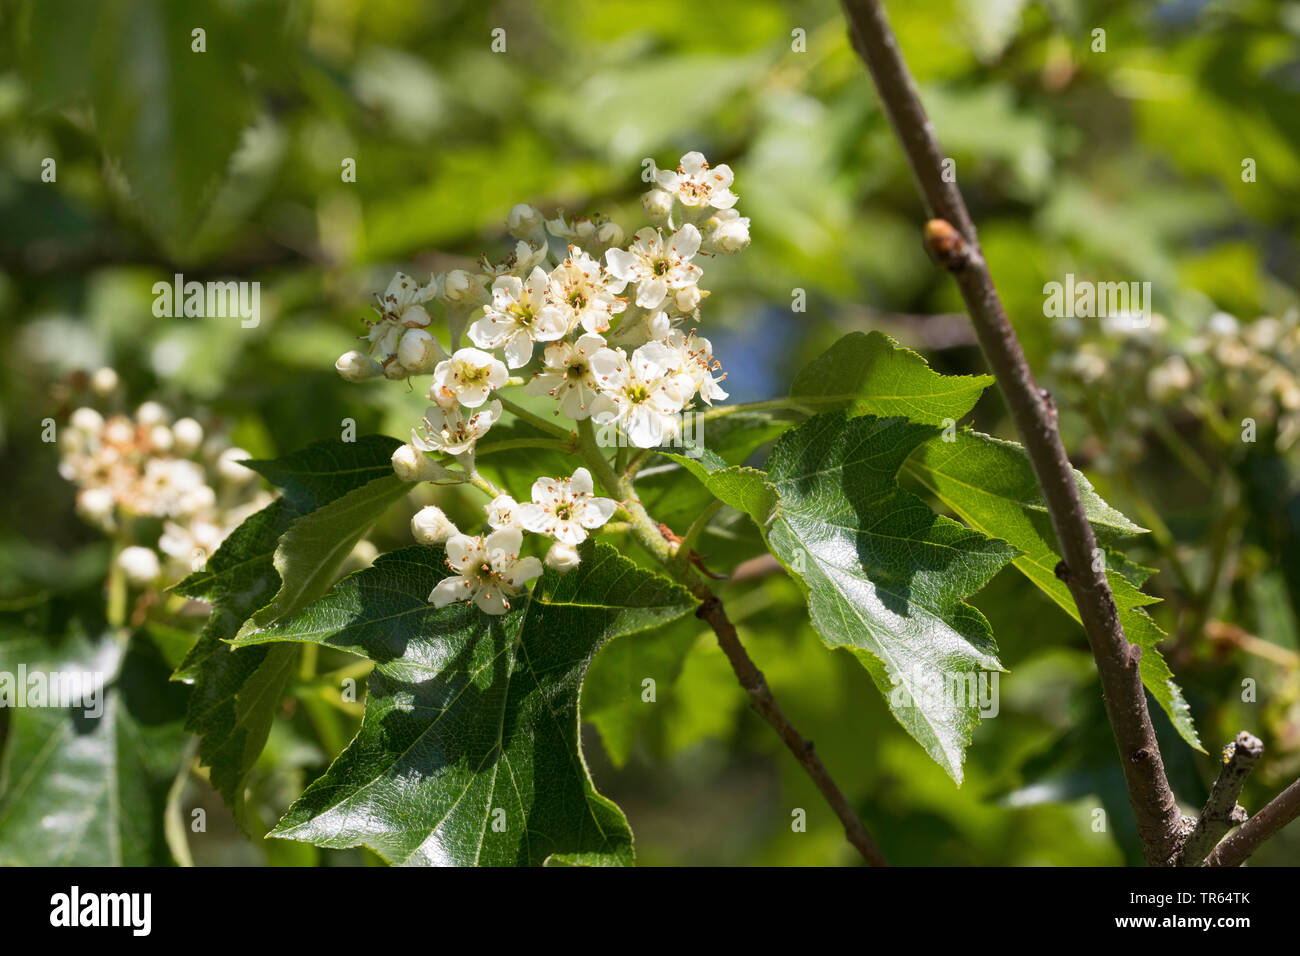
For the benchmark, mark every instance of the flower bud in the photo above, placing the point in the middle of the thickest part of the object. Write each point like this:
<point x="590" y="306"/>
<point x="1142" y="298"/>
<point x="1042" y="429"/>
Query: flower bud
<point x="562" y="558"/>
<point x="188" y="435"/>
<point x="658" y="205"/>
<point x="160" y="436"/>
<point x="524" y="221"/>
<point x="87" y="420"/>
<point x="104" y="382"/>
<point x="431" y="526"/>
<point x="419" y="352"/>
<point x="730" y="232"/>
<point x="410" y="464"/>
<point x="355" y="366"/>
<point x="139" y="564"/>
<point x="151" y="413"/>
<point x="96" y="506"/>
<point x="230" y="469"/>
<point x="609" y="234"/>
<point x="687" y="298"/>
<point x="457" y="286"/>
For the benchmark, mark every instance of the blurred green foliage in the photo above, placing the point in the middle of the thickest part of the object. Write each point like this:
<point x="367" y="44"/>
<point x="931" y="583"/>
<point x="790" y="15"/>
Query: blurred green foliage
<point x="1122" y="164"/>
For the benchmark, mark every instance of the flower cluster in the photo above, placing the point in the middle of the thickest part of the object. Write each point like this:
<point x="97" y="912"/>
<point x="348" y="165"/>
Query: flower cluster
<point x="1226" y="368"/>
<point x="149" y="466"/>
<point x="601" y="326"/>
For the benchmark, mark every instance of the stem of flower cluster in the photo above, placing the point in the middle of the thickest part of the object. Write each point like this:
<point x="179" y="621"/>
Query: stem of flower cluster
<point x="712" y="611"/>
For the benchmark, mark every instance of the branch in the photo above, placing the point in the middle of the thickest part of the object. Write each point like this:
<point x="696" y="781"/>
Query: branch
<point x="760" y="697"/>
<point x="1275" y="814"/>
<point x="711" y="610"/>
<point x="951" y="239"/>
<point x="1221" y="811"/>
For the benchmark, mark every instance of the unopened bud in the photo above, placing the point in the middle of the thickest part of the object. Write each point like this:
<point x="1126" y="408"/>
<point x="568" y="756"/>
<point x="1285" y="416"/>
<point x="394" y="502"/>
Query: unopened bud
<point x="431" y="526"/>
<point x="229" y="467"/>
<point x="562" y="558"/>
<point x="658" y="205"/>
<point x="609" y="234"/>
<point x="151" y="413"/>
<point x="96" y="506"/>
<point x="87" y="420"/>
<point x="355" y="366"/>
<point x="524" y="221"/>
<point x="139" y="564"/>
<point x="419" y="351"/>
<point x="188" y="435"/>
<point x="104" y="382"/>
<point x="410" y="464"/>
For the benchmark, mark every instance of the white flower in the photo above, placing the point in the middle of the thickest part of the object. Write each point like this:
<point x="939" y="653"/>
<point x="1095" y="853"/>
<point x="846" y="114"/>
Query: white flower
<point x="503" y="512"/>
<point x="470" y="375"/>
<point x="565" y="508"/>
<point x="586" y="294"/>
<point x="562" y="558"/>
<point x="695" y="365"/>
<point x="355" y="366"/>
<point x="644" y="393"/>
<point x="431" y="526"/>
<point x="657" y="267"/>
<point x="450" y="431"/>
<point x="489" y="571"/>
<point x="1170" y="377"/>
<point x="402" y="300"/>
<point x="695" y="184"/>
<point x="567" y="377"/>
<point x="727" y="232"/>
<point x="399" y="309"/>
<point x="411" y="464"/>
<point x="518" y="316"/>
<point x="525" y="258"/>
<point x="139" y="564"/>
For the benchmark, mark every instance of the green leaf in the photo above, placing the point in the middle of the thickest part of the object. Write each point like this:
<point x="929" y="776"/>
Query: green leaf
<point x="469" y="751"/>
<point x="310" y="552"/>
<point x="236" y="694"/>
<point x="990" y="484"/>
<point x="871" y="374"/>
<point x="884" y="575"/>
<point x="82" y="790"/>
<point x="613" y="698"/>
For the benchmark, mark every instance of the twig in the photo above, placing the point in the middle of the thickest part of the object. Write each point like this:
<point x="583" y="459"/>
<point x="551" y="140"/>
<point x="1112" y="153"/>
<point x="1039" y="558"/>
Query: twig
<point x="1275" y="814"/>
<point x="1221" y="811"/>
<point x="760" y="696"/>
<point x="951" y="239"/>
<point x="711" y="611"/>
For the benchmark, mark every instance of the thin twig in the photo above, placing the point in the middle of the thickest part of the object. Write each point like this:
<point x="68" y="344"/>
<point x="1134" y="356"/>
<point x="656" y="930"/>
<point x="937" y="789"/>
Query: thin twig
<point x="1274" y="815"/>
<point x="760" y="696"/>
<point x="951" y="239"/>
<point x="712" y="612"/>
<point x="1221" y="811"/>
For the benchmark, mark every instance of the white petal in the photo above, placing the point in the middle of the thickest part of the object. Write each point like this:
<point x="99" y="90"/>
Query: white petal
<point x="581" y="483"/>
<point x="449" y="590"/>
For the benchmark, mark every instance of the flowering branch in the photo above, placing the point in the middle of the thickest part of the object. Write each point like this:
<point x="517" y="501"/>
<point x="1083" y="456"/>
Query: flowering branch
<point x="951" y="239"/>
